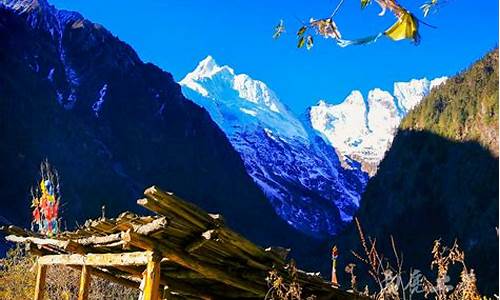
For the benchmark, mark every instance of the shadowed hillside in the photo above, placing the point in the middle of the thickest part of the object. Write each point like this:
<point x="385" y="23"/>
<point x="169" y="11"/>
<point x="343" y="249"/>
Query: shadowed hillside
<point x="440" y="177"/>
<point x="112" y="125"/>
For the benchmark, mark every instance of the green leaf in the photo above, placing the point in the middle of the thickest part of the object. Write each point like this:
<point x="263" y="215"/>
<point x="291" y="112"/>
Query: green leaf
<point x="309" y="42"/>
<point x="364" y="3"/>
<point x="301" y="31"/>
<point x="301" y="42"/>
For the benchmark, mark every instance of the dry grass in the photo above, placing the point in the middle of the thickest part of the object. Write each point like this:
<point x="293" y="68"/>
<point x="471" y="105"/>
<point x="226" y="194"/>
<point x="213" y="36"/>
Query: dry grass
<point x="392" y="282"/>
<point x="285" y="286"/>
<point x="17" y="278"/>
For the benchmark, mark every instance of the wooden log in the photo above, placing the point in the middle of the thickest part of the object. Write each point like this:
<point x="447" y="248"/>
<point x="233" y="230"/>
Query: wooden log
<point x="41" y="275"/>
<point x="152" y="227"/>
<point x="84" y="290"/>
<point x="170" y="210"/>
<point x="187" y="261"/>
<point x="69" y="246"/>
<point x="241" y="243"/>
<point x="92" y="240"/>
<point x="227" y="249"/>
<point x="179" y="207"/>
<point x="152" y="278"/>
<point x="98" y="259"/>
<point x="38" y="241"/>
<point x="118" y="244"/>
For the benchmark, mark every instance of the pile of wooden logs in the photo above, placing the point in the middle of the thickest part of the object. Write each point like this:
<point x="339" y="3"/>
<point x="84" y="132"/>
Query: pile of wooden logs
<point x="179" y="252"/>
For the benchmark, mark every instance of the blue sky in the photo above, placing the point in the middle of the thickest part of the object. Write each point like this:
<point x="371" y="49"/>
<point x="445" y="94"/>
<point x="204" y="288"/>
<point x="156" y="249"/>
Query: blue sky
<point x="176" y="34"/>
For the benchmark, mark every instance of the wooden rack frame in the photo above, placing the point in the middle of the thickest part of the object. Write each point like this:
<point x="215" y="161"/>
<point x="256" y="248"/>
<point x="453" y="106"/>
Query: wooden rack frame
<point x="181" y="250"/>
<point x="148" y="259"/>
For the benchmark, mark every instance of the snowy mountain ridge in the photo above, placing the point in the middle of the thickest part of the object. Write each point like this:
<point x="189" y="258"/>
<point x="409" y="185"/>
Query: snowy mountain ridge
<point x="248" y="100"/>
<point x="296" y="169"/>
<point x="362" y="129"/>
<point x="313" y="169"/>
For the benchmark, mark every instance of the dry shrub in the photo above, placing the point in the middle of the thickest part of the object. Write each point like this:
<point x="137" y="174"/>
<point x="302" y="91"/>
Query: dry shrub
<point x="17" y="281"/>
<point x="394" y="283"/>
<point x="286" y="286"/>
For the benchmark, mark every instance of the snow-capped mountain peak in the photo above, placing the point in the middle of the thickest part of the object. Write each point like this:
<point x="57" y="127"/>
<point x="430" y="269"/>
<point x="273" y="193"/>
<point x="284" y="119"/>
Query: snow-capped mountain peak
<point x="299" y="173"/>
<point x="240" y="101"/>
<point x="207" y="68"/>
<point x="363" y="130"/>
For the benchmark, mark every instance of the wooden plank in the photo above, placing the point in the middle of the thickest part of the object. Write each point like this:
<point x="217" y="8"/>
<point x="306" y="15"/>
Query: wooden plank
<point x="41" y="275"/>
<point x="152" y="278"/>
<point x="98" y="259"/>
<point x="84" y="290"/>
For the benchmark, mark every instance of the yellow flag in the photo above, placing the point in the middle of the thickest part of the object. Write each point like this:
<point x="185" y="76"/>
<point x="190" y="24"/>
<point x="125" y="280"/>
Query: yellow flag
<point x="405" y="28"/>
<point x="42" y="186"/>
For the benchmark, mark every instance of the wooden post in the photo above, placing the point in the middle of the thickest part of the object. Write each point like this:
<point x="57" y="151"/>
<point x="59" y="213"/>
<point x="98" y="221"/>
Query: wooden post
<point x="335" y="254"/>
<point x="40" y="281"/>
<point x="83" y="292"/>
<point x="152" y="278"/>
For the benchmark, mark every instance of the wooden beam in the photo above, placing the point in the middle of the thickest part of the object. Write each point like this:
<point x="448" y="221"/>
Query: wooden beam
<point x="98" y="259"/>
<point x="182" y="258"/>
<point x="152" y="278"/>
<point x="68" y="245"/>
<point x="92" y="240"/>
<point x="38" y="241"/>
<point x="41" y="274"/>
<point x="83" y="292"/>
